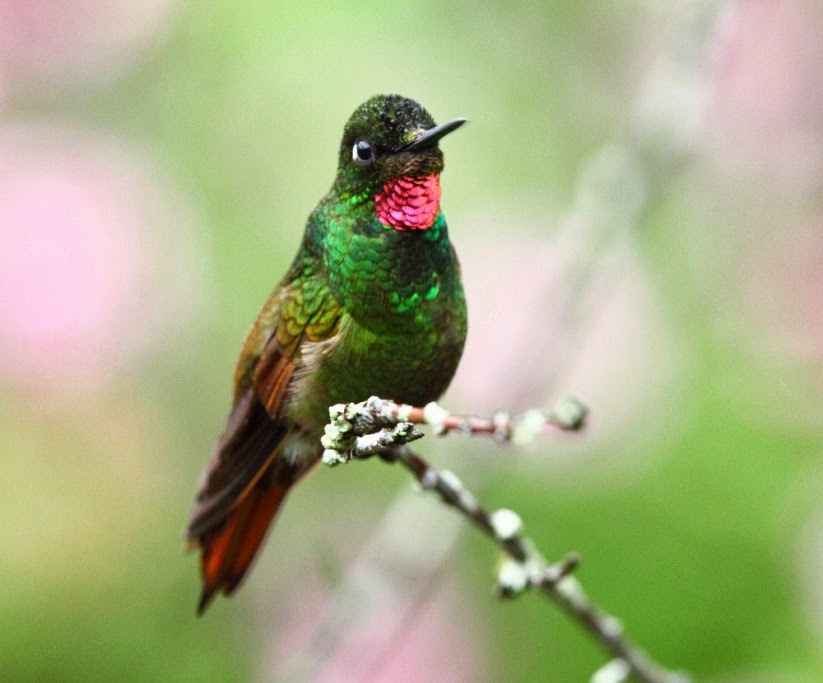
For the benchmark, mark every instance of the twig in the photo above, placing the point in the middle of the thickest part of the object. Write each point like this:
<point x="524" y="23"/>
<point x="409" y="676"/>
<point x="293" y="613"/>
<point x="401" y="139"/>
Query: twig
<point x="523" y="566"/>
<point x="378" y="423"/>
<point x="526" y="568"/>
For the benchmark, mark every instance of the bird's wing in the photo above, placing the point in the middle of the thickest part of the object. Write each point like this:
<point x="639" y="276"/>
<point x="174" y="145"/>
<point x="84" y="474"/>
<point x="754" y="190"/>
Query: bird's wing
<point x="244" y="481"/>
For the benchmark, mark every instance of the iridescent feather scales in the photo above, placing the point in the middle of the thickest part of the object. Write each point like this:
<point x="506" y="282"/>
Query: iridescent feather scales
<point x="365" y="309"/>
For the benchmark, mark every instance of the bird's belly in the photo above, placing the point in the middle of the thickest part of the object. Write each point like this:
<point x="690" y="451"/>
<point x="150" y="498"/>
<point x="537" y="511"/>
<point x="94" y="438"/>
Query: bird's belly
<point x="408" y="368"/>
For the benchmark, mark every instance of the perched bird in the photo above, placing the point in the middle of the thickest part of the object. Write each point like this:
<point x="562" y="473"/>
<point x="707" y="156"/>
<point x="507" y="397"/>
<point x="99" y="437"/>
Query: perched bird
<point x="373" y="304"/>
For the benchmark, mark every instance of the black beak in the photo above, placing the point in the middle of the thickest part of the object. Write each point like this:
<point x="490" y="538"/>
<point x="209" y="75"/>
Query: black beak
<point x="430" y="137"/>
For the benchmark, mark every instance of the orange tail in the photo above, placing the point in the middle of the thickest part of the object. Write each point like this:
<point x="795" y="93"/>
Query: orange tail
<point x="228" y="551"/>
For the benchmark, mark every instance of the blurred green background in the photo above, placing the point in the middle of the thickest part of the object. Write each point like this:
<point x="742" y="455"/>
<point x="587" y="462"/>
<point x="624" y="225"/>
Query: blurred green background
<point x="637" y="206"/>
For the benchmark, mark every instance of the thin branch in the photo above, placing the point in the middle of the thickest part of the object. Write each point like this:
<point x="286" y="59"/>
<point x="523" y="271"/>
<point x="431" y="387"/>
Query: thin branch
<point x="359" y="431"/>
<point x="527" y="568"/>
<point x="377" y="423"/>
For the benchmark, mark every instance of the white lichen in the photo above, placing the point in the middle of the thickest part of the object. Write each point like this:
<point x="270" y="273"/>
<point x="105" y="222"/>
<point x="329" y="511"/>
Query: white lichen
<point x="451" y="481"/>
<point x="570" y="413"/>
<point x="332" y="436"/>
<point x="369" y="443"/>
<point x="435" y="415"/>
<point x="506" y="524"/>
<point x="612" y="627"/>
<point x="528" y="426"/>
<point x="614" y="671"/>
<point x="502" y="421"/>
<point x="404" y="411"/>
<point x="429" y="479"/>
<point x="570" y="588"/>
<point x="512" y="577"/>
<point x="351" y="411"/>
<point x="332" y="457"/>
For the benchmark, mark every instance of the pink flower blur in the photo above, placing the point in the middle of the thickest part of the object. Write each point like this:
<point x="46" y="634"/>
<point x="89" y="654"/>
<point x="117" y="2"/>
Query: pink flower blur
<point x="44" y="42"/>
<point x="436" y="642"/>
<point x="76" y="219"/>
<point x="767" y="94"/>
<point x="67" y="259"/>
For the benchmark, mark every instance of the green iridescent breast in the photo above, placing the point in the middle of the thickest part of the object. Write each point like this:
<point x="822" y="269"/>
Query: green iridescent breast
<point x="403" y="325"/>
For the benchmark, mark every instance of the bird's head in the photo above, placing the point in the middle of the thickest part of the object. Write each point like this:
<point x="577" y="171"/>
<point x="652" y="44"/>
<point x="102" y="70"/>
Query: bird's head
<point x="389" y="155"/>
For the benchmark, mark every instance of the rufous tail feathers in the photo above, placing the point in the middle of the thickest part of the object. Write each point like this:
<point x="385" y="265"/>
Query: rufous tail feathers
<point x="229" y="549"/>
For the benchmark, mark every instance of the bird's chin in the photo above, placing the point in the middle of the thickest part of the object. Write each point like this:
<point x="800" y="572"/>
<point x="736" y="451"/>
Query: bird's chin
<point x="409" y="203"/>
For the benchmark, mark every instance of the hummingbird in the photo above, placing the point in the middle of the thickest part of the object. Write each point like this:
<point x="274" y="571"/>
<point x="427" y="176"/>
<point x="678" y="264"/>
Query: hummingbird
<point x="373" y="304"/>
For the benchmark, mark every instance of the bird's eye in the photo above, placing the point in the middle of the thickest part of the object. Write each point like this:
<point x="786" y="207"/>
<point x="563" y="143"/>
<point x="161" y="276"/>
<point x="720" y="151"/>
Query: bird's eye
<point x="363" y="152"/>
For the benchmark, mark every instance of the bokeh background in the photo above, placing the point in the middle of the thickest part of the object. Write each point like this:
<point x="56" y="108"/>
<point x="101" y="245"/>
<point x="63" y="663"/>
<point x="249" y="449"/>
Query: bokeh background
<point x="637" y="206"/>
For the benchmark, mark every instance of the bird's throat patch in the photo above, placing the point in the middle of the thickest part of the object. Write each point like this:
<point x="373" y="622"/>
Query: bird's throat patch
<point x="409" y="203"/>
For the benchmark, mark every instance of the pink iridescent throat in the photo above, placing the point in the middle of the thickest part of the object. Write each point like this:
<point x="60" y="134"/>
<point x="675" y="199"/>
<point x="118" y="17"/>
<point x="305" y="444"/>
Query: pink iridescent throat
<point x="409" y="203"/>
